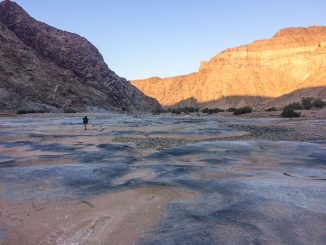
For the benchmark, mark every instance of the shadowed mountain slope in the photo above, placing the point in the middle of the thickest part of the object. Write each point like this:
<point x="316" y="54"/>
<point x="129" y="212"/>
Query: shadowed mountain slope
<point x="42" y="67"/>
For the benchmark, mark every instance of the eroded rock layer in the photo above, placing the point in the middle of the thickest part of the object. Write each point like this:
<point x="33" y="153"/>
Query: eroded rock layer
<point x="249" y="74"/>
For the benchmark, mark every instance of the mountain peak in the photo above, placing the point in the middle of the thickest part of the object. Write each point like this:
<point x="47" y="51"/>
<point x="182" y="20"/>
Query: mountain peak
<point x="8" y="4"/>
<point x="62" y="68"/>
<point x="296" y="31"/>
<point x="10" y="9"/>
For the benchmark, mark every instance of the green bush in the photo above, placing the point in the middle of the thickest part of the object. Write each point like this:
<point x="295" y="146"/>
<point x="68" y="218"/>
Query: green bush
<point x="205" y="110"/>
<point x="290" y="113"/>
<point x="70" y="110"/>
<point x="307" y="103"/>
<point x="22" y="112"/>
<point x="188" y="109"/>
<point x="217" y="110"/>
<point x="231" y="109"/>
<point x="212" y="111"/>
<point x="242" y="110"/>
<point x="272" y="109"/>
<point x="176" y="110"/>
<point x="294" y="106"/>
<point x="318" y="103"/>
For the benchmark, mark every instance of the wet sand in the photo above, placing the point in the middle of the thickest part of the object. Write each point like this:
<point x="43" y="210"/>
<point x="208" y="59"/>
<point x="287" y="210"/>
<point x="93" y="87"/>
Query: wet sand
<point x="162" y="180"/>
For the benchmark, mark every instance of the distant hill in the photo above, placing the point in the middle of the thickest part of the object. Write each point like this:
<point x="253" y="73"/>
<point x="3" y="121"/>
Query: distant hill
<point x="43" y="68"/>
<point x="314" y="87"/>
<point x="293" y="59"/>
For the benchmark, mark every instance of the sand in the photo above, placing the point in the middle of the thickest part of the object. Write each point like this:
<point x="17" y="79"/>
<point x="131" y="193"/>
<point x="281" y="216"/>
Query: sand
<point x="117" y="218"/>
<point x="162" y="180"/>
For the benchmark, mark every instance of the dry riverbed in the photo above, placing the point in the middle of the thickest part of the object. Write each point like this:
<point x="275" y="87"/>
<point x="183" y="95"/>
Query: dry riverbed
<point x="162" y="180"/>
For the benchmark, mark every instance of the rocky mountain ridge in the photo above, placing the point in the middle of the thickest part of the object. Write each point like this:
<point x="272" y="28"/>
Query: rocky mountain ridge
<point x="44" y="68"/>
<point x="249" y="74"/>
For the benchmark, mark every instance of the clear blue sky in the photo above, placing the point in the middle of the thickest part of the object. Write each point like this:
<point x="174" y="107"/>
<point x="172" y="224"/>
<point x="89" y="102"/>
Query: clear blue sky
<point x="143" y="38"/>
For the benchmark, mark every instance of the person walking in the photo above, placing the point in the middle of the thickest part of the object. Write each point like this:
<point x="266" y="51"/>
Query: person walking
<point x="85" y="122"/>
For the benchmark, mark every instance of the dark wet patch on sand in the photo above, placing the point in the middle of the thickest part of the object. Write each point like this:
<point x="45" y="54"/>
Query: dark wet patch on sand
<point x="221" y="175"/>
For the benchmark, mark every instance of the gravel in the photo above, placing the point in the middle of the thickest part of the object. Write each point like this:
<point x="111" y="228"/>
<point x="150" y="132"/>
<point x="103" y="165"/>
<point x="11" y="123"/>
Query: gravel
<point x="297" y="131"/>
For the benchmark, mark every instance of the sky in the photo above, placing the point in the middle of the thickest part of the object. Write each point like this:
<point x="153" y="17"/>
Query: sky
<point x="144" y="38"/>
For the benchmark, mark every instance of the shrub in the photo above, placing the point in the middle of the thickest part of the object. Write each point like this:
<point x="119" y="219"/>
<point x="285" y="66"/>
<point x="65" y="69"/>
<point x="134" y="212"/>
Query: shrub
<point x="294" y="106"/>
<point x="217" y="110"/>
<point x="272" y="109"/>
<point x="21" y="112"/>
<point x="69" y="110"/>
<point x="212" y="111"/>
<point x="189" y="109"/>
<point x="176" y="111"/>
<point x="231" y="109"/>
<point x="290" y="113"/>
<point x="307" y="103"/>
<point x="205" y="110"/>
<point x="318" y="103"/>
<point x="242" y="110"/>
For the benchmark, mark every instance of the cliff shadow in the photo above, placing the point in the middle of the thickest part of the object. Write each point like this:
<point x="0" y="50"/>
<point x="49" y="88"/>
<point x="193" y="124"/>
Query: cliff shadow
<point x="223" y="103"/>
<point x="259" y="102"/>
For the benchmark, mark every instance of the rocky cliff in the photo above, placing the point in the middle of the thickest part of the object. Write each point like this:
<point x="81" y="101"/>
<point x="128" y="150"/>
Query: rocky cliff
<point x="42" y="67"/>
<point x="249" y="74"/>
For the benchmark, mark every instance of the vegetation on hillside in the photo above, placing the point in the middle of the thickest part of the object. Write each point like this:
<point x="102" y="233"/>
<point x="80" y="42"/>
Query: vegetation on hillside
<point x="179" y="110"/>
<point x="294" y="106"/>
<point x="242" y="110"/>
<point x="306" y="103"/>
<point x="231" y="109"/>
<point x="318" y="103"/>
<point x="212" y="111"/>
<point x="290" y="113"/>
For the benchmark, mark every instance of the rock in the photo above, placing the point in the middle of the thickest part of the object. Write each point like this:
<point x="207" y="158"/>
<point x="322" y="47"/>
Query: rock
<point x="295" y="58"/>
<point x="41" y="64"/>
<point x="314" y="87"/>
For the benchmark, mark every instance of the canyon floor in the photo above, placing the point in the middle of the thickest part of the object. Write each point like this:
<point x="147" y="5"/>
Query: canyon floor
<point x="162" y="180"/>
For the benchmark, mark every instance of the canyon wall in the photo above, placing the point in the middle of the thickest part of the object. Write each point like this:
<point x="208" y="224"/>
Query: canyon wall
<point x="249" y="74"/>
<point x="44" y="68"/>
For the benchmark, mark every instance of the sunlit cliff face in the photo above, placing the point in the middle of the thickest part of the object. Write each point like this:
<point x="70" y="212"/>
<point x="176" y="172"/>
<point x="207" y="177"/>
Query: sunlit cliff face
<point x="265" y="68"/>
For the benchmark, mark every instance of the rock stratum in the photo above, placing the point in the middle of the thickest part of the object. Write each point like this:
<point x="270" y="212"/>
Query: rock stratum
<point x="43" y="68"/>
<point x="294" y="59"/>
